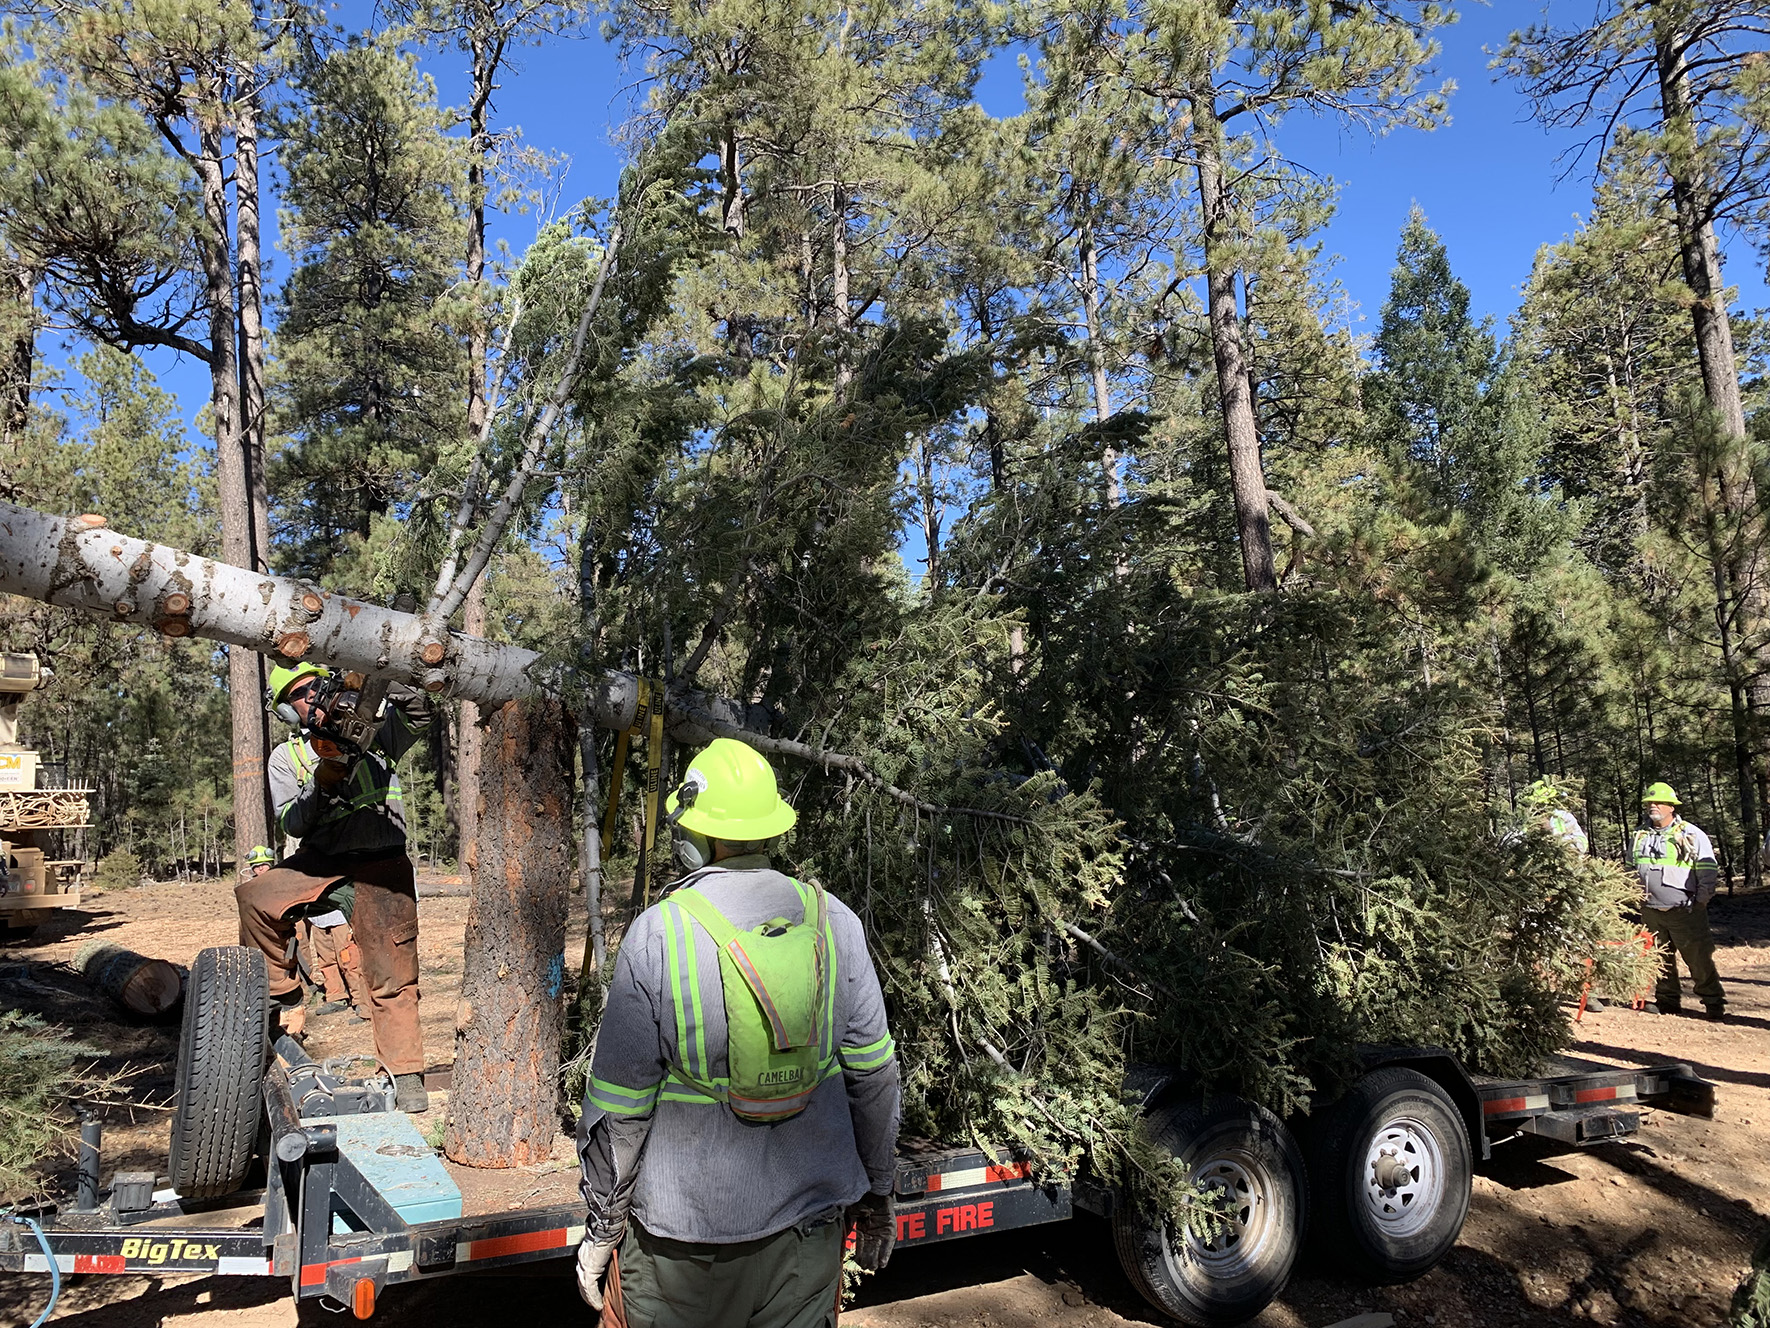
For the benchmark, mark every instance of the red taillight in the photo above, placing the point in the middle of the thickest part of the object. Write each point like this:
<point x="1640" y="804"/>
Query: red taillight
<point x="362" y="1298"/>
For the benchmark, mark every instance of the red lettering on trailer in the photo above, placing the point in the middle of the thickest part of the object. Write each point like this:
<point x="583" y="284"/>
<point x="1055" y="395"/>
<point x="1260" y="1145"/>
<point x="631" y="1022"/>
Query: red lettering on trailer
<point x="314" y="1274"/>
<point x="99" y="1263"/>
<point x="498" y="1247"/>
<point x="965" y="1217"/>
<point x="1595" y="1094"/>
<point x="912" y="1226"/>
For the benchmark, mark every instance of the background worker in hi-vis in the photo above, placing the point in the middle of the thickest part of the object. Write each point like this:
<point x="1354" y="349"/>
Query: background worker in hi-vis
<point x="1676" y="863"/>
<point x="742" y="1109"/>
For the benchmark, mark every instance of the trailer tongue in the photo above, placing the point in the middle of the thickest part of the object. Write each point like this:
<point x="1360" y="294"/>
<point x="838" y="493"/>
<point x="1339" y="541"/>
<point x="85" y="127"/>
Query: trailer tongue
<point x="355" y="1201"/>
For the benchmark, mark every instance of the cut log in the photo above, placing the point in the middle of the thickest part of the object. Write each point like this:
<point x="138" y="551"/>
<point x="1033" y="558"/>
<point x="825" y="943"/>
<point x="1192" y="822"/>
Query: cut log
<point x="81" y="563"/>
<point x="504" y="1106"/>
<point x="143" y="986"/>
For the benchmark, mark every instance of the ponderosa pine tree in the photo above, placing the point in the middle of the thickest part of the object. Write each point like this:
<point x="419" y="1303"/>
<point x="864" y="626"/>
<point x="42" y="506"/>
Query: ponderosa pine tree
<point x="369" y="356"/>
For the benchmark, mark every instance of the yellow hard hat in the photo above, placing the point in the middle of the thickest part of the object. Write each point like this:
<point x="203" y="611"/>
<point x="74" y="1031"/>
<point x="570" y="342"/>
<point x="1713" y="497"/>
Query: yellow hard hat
<point x="282" y="679"/>
<point x="1661" y="792"/>
<point x="735" y="795"/>
<point x="261" y="853"/>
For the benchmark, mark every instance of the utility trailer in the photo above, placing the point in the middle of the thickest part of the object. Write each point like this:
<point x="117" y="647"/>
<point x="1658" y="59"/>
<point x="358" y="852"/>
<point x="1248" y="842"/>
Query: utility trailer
<point x="354" y="1202"/>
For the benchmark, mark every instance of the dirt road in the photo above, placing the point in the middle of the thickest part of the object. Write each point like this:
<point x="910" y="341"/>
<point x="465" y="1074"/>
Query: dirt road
<point x="1652" y="1231"/>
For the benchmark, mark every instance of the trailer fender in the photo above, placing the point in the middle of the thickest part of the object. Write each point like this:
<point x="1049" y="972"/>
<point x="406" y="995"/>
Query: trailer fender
<point x="1445" y="1070"/>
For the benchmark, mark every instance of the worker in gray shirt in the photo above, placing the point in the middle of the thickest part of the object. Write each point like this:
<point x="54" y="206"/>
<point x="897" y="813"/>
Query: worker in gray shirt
<point x="348" y="811"/>
<point x="742" y="1110"/>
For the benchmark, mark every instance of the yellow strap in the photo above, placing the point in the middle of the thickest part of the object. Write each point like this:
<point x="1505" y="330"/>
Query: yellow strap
<point x="654" y="760"/>
<point x="620" y="771"/>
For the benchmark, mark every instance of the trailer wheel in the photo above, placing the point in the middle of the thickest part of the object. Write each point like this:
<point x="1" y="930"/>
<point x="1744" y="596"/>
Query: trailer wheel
<point x="1244" y="1153"/>
<point x="221" y="1056"/>
<point x="1390" y="1172"/>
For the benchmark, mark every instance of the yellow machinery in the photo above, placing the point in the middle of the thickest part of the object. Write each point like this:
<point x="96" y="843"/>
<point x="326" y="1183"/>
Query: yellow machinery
<point x="30" y="883"/>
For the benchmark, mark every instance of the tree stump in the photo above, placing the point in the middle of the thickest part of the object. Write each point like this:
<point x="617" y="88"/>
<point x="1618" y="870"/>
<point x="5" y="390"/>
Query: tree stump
<point x="504" y="1101"/>
<point x="143" y="986"/>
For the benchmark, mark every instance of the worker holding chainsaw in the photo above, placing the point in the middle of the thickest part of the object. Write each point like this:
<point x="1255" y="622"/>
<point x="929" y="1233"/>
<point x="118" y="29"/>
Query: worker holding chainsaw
<point x="741" y="1116"/>
<point x="335" y="789"/>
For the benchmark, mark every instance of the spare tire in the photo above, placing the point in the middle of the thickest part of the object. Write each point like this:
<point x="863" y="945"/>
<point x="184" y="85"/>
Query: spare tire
<point x="1243" y="1153"/>
<point x="1390" y="1168"/>
<point x="221" y="1059"/>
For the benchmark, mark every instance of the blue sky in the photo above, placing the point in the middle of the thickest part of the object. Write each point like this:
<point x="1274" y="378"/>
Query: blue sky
<point x="1490" y="182"/>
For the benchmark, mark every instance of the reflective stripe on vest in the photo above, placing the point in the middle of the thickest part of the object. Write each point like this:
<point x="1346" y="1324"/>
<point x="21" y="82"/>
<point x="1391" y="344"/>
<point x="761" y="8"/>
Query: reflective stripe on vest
<point x="691" y="1079"/>
<point x="365" y="793"/>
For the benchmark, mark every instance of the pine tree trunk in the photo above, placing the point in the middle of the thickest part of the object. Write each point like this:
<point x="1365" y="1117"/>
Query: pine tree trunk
<point x="1247" y="478"/>
<point x="487" y="52"/>
<point x="1696" y="231"/>
<point x="1097" y="359"/>
<point x="839" y="287"/>
<point x="21" y="357"/>
<point x="245" y="698"/>
<point x="252" y="401"/>
<point x="252" y="405"/>
<point x="469" y="743"/>
<point x="505" y="1101"/>
<point x="1738" y="579"/>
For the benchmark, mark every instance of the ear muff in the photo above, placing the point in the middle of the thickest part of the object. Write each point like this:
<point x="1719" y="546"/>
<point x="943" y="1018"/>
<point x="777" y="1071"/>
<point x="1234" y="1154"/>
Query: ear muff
<point x="281" y="709"/>
<point x="692" y="851"/>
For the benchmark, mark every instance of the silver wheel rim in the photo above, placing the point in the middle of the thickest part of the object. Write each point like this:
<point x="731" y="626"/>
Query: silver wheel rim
<point x="1402" y="1183"/>
<point x="1244" y="1189"/>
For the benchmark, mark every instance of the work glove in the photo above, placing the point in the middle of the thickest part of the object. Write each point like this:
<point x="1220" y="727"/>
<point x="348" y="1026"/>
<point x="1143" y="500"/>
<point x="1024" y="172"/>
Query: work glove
<point x="874" y="1223"/>
<point x="334" y="767"/>
<point x="416" y="704"/>
<point x="593" y="1261"/>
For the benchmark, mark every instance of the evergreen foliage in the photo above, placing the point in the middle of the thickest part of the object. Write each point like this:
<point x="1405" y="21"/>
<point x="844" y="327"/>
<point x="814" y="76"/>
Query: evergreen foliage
<point x="42" y="1071"/>
<point x="370" y="369"/>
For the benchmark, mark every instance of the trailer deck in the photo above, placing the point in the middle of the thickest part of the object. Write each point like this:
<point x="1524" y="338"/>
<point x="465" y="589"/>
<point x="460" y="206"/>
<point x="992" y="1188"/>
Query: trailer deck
<point x="343" y="1182"/>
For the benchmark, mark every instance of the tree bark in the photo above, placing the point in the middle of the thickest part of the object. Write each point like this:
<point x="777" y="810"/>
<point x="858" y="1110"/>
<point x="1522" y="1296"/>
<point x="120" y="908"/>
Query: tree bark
<point x="505" y="1101"/>
<point x="251" y="295"/>
<point x="1109" y="457"/>
<point x="245" y="683"/>
<point x="468" y="746"/>
<point x="1701" y="255"/>
<point x="487" y="51"/>
<point x="1247" y="478"/>
<point x="1738" y="583"/>
<point x="21" y="356"/>
<point x="840" y="309"/>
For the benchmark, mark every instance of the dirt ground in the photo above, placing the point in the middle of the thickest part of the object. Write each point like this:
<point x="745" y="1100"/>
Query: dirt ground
<point x="1655" y="1230"/>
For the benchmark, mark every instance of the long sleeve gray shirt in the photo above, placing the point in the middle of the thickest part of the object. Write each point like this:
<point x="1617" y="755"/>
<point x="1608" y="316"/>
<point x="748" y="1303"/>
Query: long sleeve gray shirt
<point x="364" y="814"/>
<point x="695" y="1171"/>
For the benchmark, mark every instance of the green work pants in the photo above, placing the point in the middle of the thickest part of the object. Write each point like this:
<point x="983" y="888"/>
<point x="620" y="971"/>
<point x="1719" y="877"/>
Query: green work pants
<point x="1684" y="931"/>
<point x="788" y="1280"/>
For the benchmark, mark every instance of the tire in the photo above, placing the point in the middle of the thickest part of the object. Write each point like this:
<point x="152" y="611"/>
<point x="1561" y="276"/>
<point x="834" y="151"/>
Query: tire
<point x="10" y="934"/>
<point x="221" y="1058"/>
<point x="1399" y="1127"/>
<point x="1236" y="1148"/>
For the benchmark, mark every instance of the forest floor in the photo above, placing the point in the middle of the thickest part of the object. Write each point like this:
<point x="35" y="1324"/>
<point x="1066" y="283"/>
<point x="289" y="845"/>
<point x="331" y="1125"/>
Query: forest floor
<point x="1651" y="1231"/>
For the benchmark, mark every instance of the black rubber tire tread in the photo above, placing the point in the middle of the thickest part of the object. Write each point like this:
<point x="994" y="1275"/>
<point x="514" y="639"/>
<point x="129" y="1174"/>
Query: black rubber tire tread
<point x="1190" y="1132"/>
<point x="1341" y="1235"/>
<point x="221" y="1059"/>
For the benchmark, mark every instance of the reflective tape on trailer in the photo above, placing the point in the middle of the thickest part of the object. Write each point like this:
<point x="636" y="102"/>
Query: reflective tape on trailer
<point x="1609" y="1093"/>
<point x="231" y="1253"/>
<point x="1521" y="1105"/>
<point x="959" y="1180"/>
<point x="525" y="1242"/>
<point x="314" y="1274"/>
